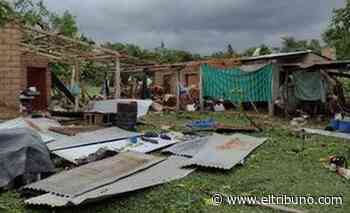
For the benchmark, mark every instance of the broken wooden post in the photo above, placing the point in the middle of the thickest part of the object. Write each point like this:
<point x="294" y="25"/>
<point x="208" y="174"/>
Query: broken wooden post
<point x="286" y="99"/>
<point x="275" y="81"/>
<point x="76" y="70"/>
<point x="177" y="77"/>
<point x="201" y="101"/>
<point x="117" y="79"/>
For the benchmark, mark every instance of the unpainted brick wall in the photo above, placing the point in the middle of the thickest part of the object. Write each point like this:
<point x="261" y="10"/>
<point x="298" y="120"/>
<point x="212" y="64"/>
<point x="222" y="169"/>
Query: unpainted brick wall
<point x="11" y="74"/>
<point x="13" y="66"/>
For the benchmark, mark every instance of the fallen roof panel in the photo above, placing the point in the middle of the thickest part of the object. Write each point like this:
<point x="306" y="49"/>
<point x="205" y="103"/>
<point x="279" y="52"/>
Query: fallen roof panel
<point x="224" y="152"/>
<point x="188" y="148"/>
<point x="91" y="176"/>
<point x="40" y="125"/>
<point x="88" y="138"/>
<point x="166" y="171"/>
<point x="120" y="146"/>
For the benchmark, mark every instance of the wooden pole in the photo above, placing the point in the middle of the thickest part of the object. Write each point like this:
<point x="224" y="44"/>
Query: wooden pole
<point x="177" y="90"/>
<point x="201" y="101"/>
<point x="287" y="91"/>
<point x="117" y="79"/>
<point x="274" y="88"/>
<point x="77" y="83"/>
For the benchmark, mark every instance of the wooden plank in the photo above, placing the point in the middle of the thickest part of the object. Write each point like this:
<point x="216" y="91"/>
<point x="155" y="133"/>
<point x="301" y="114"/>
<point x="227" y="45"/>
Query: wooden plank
<point x="67" y="39"/>
<point x="177" y="77"/>
<point x="117" y="79"/>
<point x="77" y="82"/>
<point x="275" y="84"/>
<point x="201" y="100"/>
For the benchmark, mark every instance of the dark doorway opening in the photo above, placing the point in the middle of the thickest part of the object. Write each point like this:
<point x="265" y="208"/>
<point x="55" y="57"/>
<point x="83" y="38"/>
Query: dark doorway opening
<point x="36" y="77"/>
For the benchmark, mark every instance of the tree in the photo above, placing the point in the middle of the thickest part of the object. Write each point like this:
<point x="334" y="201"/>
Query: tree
<point x="32" y="12"/>
<point x="264" y="50"/>
<point x="6" y="12"/>
<point x="230" y="50"/>
<point x="290" y="44"/>
<point x="338" y="33"/>
<point x="65" y="24"/>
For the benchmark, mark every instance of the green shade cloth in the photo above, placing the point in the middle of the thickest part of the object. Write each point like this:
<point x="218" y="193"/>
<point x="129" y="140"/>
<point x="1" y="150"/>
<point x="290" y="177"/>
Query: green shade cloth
<point x="237" y="85"/>
<point x="309" y="86"/>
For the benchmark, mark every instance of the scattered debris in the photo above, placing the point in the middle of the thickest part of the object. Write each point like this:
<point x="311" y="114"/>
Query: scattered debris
<point x="99" y="155"/>
<point x="339" y="165"/>
<point x="118" y="145"/>
<point x="224" y="152"/>
<point x="86" y="178"/>
<point x="22" y="153"/>
<point x="74" y="130"/>
<point x="163" y="172"/>
<point x="110" y="106"/>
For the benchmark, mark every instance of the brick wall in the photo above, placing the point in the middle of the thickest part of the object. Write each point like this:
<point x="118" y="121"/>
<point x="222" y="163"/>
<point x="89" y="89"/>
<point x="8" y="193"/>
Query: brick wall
<point x="13" y="66"/>
<point x="11" y="74"/>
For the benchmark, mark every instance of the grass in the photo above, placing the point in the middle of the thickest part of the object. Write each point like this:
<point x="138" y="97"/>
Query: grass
<point x="279" y="166"/>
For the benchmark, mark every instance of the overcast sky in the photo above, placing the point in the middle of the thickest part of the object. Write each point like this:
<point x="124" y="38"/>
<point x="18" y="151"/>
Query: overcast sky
<point x="201" y="26"/>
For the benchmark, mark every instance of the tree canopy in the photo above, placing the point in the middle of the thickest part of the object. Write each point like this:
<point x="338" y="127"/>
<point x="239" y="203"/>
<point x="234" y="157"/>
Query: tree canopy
<point x="290" y="44"/>
<point x="338" y="33"/>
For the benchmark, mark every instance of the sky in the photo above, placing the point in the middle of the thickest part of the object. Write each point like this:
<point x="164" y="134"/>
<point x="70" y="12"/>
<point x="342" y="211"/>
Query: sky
<point x="199" y="26"/>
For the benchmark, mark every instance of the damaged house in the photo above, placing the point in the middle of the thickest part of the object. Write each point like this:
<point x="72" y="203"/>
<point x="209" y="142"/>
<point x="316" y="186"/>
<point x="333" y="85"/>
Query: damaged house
<point x="25" y="55"/>
<point x="21" y="69"/>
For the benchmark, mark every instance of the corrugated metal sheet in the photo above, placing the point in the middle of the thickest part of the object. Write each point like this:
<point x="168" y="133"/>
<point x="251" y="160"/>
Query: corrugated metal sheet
<point x="94" y="175"/>
<point x="94" y="137"/>
<point x="188" y="148"/>
<point x="276" y="55"/>
<point x="119" y="146"/>
<point x="224" y="152"/>
<point x="40" y="125"/>
<point x="110" y="106"/>
<point x="166" y="171"/>
<point x="327" y="133"/>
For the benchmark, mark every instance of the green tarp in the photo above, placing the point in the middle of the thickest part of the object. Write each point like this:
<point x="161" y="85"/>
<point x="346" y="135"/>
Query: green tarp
<point x="237" y="85"/>
<point x="309" y="86"/>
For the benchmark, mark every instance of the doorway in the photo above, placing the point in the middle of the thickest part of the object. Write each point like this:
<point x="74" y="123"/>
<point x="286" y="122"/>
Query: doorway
<point x="36" y="77"/>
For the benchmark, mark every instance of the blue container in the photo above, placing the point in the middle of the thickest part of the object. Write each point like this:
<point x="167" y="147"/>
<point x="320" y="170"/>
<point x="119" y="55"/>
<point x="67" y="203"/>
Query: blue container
<point x="335" y="124"/>
<point x="344" y="126"/>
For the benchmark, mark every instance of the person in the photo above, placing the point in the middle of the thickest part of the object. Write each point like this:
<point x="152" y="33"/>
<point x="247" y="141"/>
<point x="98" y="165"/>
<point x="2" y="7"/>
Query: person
<point x="146" y="83"/>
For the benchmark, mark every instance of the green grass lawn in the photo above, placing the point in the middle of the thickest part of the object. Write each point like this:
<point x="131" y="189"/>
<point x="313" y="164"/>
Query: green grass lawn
<point x="278" y="167"/>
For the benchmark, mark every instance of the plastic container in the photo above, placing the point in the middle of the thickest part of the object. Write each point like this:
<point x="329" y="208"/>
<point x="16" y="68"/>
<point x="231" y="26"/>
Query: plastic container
<point x="344" y="126"/>
<point x="335" y="124"/>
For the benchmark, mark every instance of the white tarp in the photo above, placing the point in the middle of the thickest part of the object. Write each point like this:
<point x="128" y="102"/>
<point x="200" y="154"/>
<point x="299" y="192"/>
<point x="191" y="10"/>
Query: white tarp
<point x="110" y="106"/>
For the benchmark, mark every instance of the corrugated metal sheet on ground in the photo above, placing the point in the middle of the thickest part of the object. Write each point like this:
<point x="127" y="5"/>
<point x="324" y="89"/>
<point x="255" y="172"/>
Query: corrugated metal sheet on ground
<point x="110" y="106"/>
<point x="94" y="175"/>
<point x="327" y="133"/>
<point x="86" y="138"/>
<point x="166" y="171"/>
<point x="188" y="148"/>
<point x="120" y="146"/>
<point x="224" y="152"/>
<point x="40" y="125"/>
